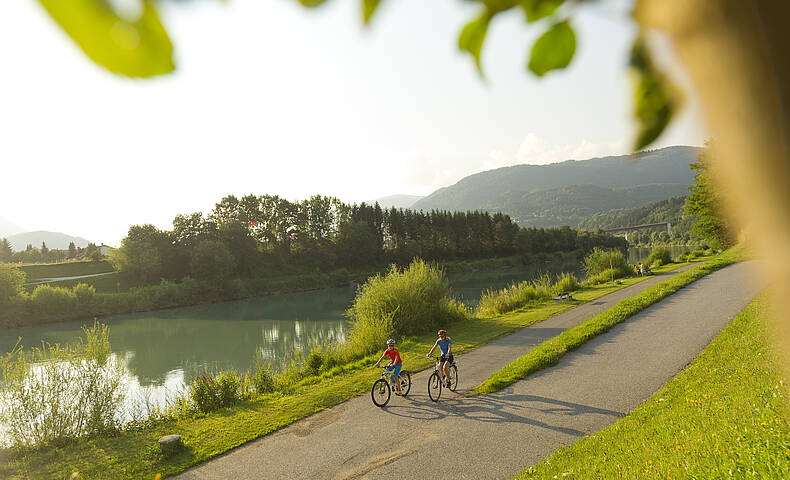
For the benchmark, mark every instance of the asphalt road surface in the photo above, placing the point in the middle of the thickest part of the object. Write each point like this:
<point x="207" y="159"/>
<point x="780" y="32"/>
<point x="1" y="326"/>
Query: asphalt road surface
<point x="497" y="435"/>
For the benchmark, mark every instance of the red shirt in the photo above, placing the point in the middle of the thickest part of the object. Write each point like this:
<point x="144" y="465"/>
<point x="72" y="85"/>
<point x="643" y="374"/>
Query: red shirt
<point x="394" y="355"/>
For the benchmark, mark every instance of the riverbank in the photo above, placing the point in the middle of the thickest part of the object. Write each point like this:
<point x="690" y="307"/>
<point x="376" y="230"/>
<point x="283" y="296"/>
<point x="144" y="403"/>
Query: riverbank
<point x="133" y="454"/>
<point x="96" y="297"/>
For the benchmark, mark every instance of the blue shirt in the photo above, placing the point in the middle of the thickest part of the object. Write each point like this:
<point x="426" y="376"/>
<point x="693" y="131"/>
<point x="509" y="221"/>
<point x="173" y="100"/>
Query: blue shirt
<point x="444" y="346"/>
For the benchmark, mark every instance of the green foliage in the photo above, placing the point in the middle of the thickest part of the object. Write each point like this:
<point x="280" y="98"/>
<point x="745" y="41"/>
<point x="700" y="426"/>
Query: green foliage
<point x="538" y="9"/>
<point x="209" y="392"/>
<point x="50" y="301"/>
<point x="731" y="403"/>
<point x="473" y="35"/>
<point x="655" y="100"/>
<point x="139" y="48"/>
<point x="11" y="281"/>
<point x="368" y="9"/>
<point x="56" y="394"/>
<point x="553" y="50"/>
<point x="315" y="360"/>
<point x="262" y="378"/>
<point x="705" y="204"/>
<point x="659" y="256"/>
<point x="211" y="261"/>
<point x="497" y="302"/>
<point x="403" y="302"/>
<point x="600" y="260"/>
<point x="6" y="252"/>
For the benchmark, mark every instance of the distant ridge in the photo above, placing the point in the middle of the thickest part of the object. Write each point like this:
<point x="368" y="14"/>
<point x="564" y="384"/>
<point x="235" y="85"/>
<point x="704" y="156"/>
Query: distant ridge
<point x="54" y="240"/>
<point x="565" y="193"/>
<point x="397" y="201"/>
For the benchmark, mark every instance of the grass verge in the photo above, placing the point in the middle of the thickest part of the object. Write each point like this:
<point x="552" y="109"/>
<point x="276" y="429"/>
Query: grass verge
<point x="551" y="351"/>
<point x="134" y="454"/>
<point x="724" y="416"/>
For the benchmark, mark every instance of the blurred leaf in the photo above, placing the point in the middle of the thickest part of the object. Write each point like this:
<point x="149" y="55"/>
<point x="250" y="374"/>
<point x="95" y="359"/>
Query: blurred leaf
<point x="140" y="48"/>
<point x="537" y="9"/>
<point x="655" y="100"/>
<point x="311" y="3"/>
<point x="368" y="8"/>
<point x="473" y="35"/>
<point x="553" y="50"/>
<point x="496" y="6"/>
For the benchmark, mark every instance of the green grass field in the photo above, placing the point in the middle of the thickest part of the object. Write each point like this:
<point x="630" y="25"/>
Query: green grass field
<point x="724" y="416"/>
<point x="65" y="269"/>
<point x="133" y="454"/>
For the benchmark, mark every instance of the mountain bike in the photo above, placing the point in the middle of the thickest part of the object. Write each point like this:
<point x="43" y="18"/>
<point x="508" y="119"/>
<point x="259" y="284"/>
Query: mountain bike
<point x="382" y="388"/>
<point x="435" y="383"/>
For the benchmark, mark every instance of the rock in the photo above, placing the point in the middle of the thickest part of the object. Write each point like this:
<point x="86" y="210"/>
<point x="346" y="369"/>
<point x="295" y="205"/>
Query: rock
<point x="170" y="443"/>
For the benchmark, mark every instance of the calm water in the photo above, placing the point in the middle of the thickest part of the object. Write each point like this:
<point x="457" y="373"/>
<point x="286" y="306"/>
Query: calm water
<point x="163" y="349"/>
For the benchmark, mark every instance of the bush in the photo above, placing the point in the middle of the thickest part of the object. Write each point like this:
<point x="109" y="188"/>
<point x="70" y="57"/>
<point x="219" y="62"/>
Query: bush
<point x="203" y="393"/>
<point x="659" y="256"/>
<point x="50" y="300"/>
<point x="228" y="388"/>
<point x="315" y="360"/>
<point x="496" y="302"/>
<point x="262" y="378"/>
<point x="211" y="261"/>
<point x="600" y="260"/>
<point x="404" y="302"/>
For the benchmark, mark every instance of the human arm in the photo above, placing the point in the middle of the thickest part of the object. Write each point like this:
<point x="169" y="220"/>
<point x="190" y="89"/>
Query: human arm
<point x="432" y="349"/>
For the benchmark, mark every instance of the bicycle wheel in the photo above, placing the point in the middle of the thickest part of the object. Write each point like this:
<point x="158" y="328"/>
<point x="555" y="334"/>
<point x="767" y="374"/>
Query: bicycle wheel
<point x="380" y="393"/>
<point x="453" y="370"/>
<point x="405" y="382"/>
<point x="435" y="386"/>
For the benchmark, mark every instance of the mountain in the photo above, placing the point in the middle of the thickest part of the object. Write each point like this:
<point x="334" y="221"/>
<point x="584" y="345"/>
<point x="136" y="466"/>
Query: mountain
<point x="8" y="228"/>
<point x="565" y="193"/>
<point x="54" y="240"/>
<point x="397" y="201"/>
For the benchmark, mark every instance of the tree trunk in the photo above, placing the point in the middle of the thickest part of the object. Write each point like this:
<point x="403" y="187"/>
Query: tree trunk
<point x="737" y="53"/>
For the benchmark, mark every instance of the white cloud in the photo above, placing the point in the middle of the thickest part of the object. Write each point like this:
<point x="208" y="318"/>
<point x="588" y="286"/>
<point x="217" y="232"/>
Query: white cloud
<point x="536" y="150"/>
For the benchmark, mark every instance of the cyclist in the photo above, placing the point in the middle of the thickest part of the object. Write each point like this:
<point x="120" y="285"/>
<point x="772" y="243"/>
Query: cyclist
<point x="395" y="364"/>
<point x="445" y="345"/>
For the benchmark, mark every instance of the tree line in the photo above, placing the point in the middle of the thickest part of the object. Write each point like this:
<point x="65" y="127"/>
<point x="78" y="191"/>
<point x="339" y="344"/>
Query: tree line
<point x="254" y="236"/>
<point x="44" y="254"/>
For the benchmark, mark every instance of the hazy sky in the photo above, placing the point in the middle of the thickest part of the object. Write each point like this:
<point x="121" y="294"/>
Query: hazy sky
<point x="269" y="97"/>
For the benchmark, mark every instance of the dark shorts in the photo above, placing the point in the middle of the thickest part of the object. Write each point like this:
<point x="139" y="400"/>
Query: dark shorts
<point x="444" y="359"/>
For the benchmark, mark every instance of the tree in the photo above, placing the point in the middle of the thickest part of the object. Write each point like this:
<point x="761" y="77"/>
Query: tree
<point x="72" y="251"/>
<point x="12" y="280"/>
<point x="211" y="262"/>
<point x="6" y="252"/>
<point x="705" y="203"/>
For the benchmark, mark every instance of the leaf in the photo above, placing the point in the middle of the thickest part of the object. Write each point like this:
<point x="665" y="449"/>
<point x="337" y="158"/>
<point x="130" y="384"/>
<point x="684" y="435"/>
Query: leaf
<point x="473" y="35"/>
<point x="538" y="9"/>
<point x="138" y="48"/>
<point x="368" y="9"/>
<point x="311" y="3"/>
<point x="655" y="100"/>
<point x="553" y="50"/>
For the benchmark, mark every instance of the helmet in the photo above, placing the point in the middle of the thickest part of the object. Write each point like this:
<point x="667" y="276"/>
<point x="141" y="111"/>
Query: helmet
<point x="390" y="342"/>
<point x="442" y="332"/>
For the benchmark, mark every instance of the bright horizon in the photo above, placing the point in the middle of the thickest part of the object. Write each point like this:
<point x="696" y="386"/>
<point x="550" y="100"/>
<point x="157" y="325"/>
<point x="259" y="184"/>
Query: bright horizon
<point x="282" y="100"/>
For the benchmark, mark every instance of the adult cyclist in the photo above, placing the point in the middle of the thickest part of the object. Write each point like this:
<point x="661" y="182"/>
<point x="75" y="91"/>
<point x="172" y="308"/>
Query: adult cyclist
<point x="395" y="364"/>
<point x="445" y="346"/>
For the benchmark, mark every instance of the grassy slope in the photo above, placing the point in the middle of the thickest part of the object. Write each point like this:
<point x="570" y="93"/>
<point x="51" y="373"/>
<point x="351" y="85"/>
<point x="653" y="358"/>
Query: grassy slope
<point x="65" y="269"/>
<point x="726" y="415"/>
<point x="551" y="351"/>
<point x="134" y="455"/>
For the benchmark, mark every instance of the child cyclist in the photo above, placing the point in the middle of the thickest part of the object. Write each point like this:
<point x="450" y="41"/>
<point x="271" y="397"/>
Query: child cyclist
<point x="395" y="364"/>
<point x="444" y="344"/>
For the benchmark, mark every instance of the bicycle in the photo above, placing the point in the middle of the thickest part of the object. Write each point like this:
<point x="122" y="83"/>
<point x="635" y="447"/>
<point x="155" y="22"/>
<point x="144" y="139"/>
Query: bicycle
<point x="382" y="388"/>
<point x="435" y="383"/>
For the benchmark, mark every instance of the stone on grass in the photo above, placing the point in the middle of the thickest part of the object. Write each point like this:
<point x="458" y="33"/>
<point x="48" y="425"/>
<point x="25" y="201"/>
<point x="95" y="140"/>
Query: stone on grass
<point x="170" y="443"/>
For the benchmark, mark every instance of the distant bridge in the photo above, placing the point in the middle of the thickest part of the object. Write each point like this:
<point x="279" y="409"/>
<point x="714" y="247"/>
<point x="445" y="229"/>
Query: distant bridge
<point x="639" y="227"/>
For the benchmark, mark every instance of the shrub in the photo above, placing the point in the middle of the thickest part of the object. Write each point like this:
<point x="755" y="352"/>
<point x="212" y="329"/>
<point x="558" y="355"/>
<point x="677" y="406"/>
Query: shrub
<point x="50" y="300"/>
<point x="84" y="294"/>
<point x="600" y="260"/>
<point x="566" y="282"/>
<point x="495" y="302"/>
<point x="203" y="393"/>
<point x="262" y="378"/>
<point x="404" y="302"/>
<point x="228" y="388"/>
<point x="211" y="261"/>
<point x="659" y="256"/>
<point x="315" y="360"/>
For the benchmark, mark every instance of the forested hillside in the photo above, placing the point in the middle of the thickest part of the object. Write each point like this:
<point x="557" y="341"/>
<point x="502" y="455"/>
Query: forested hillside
<point x="670" y="210"/>
<point x="565" y="193"/>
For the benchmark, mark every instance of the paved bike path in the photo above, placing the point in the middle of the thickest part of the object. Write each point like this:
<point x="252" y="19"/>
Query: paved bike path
<point x="496" y="435"/>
